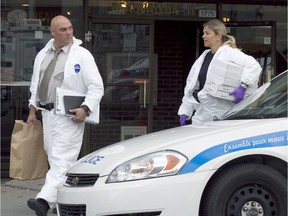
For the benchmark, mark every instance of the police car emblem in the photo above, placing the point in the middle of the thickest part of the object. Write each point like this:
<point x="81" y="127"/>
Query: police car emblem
<point x="75" y="181"/>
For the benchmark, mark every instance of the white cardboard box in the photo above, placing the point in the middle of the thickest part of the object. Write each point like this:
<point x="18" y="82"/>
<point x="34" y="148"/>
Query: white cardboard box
<point x="214" y="86"/>
<point x="222" y="94"/>
<point x="222" y="91"/>
<point x="227" y="69"/>
<point x="224" y="77"/>
<point x="216" y="78"/>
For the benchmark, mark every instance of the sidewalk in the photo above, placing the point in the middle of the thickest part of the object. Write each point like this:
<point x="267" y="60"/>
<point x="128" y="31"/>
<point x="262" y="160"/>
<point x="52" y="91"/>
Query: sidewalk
<point x="34" y="185"/>
<point x="14" y="196"/>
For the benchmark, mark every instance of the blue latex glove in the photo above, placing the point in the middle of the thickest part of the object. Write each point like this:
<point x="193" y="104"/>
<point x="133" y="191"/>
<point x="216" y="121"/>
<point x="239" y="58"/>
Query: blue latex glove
<point x="183" y="119"/>
<point x="238" y="93"/>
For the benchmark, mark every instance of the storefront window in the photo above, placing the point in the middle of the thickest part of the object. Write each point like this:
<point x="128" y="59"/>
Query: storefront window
<point x="24" y="32"/>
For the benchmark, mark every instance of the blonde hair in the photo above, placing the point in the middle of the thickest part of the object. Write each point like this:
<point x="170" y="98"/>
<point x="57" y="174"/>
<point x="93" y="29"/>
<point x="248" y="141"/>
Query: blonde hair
<point x="219" y="27"/>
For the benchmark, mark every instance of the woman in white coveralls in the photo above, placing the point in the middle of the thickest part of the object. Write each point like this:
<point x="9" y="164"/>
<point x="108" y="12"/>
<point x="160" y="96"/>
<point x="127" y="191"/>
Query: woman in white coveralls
<point x="75" y="70"/>
<point x="197" y="104"/>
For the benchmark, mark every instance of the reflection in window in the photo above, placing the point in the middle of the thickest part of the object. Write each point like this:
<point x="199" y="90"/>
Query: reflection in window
<point x="238" y="13"/>
<point x="25" y="31"/>
<point x="121" y="52"/>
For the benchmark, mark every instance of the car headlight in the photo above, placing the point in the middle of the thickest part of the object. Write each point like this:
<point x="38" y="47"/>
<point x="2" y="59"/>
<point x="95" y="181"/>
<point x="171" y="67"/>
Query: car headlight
<point x="152" y="165"/>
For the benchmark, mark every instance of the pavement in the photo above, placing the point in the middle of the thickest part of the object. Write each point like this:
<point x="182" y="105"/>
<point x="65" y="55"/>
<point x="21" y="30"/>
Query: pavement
<point x="14" y="196"/>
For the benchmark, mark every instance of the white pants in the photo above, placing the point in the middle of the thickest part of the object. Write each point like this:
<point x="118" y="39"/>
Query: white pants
<point x="62" y="143"/>
<point x="210" y="107"/>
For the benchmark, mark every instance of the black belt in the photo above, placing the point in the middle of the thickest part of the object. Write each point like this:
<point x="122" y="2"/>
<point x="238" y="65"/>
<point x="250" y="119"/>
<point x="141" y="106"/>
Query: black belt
<point x="48" y="106"/>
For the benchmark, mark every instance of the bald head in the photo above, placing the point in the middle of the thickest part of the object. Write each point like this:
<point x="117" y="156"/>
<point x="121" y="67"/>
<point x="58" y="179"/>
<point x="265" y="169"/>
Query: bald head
<point x="57" y="20"/>
<point x="62" y="31"/>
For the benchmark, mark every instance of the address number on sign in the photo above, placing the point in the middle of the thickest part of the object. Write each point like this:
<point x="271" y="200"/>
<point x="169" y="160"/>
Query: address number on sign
<point x="207" y="13"/>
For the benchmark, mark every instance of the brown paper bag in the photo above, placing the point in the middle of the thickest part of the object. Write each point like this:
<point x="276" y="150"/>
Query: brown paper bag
<point x="28" y="159"/>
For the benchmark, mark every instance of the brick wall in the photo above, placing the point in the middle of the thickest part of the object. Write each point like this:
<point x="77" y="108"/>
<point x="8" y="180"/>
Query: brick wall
<point x="169" y="42"/>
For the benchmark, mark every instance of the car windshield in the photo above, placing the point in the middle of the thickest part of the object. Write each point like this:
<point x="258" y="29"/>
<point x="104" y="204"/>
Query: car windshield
<point x="269" y="101"/>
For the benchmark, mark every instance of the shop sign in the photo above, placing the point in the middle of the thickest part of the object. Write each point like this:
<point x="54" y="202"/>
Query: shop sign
<point x="162" y="9"/>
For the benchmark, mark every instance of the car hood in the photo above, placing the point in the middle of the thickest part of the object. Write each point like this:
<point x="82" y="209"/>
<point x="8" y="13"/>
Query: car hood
<point x="189" y="140"/>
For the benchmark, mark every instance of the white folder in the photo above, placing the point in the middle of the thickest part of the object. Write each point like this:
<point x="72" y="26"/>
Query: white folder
<point x="68" y="99"/>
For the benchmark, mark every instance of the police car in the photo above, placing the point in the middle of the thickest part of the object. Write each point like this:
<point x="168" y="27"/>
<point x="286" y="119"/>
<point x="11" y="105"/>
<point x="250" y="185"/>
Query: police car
<point x="233" y="166"/>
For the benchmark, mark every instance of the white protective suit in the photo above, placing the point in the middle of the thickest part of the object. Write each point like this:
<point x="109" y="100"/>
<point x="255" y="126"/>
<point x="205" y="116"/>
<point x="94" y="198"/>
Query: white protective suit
<point x="62" y="137"/>
<point x="210" y="106"/>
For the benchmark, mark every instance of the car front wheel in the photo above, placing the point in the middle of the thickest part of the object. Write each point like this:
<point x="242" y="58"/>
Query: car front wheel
<point x="246" y="190"/>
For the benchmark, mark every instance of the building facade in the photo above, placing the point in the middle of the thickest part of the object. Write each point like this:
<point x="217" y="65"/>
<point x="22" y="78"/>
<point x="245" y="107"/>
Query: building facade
<point x="144" y="51"/>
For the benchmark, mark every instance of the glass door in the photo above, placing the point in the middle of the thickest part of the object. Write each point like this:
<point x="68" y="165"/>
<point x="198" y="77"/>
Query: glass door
<point x="122" y="51"/>
<point x="258" y="40"/>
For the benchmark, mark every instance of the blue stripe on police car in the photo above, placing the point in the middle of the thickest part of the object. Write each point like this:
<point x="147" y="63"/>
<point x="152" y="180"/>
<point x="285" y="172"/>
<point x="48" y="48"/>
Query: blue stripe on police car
<point x="262" y="141"/>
